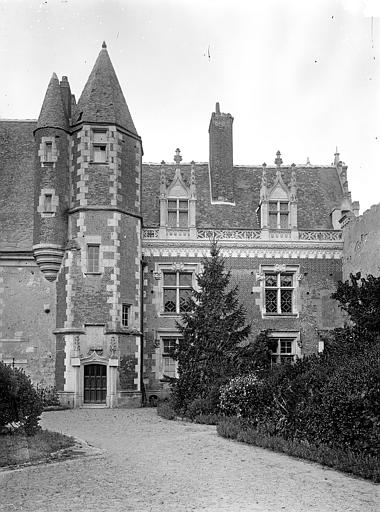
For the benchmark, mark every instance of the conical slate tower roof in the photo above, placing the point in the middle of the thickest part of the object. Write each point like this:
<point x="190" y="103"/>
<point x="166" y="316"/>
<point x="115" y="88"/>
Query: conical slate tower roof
<point x="52" y="113"/>
<point x="102" y="100"/>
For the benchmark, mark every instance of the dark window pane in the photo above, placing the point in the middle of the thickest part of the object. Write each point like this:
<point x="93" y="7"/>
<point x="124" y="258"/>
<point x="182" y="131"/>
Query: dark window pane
<point x="273" y="220"/>
<point x="172" y="204"/>
<point x="270" y="280"/>
<point x="183" y="204"/>
<point x="284" y="207"/>
<point x="183" y="220"/>
<point x="284" y="220"/>
<point x="286" y="301"/>
<point x="169" y="345"/>
<point x="183" y="305"/>
<point x="170" y="300"/>
<point x="170" y="278"/>
<point x="273" y="207"/>
<point x="185" y="279"/>
<point x="286" y="280"/>
<point x="172" y="219"/>
<point x="286" y="347"/>
<point x="271" y="301"/>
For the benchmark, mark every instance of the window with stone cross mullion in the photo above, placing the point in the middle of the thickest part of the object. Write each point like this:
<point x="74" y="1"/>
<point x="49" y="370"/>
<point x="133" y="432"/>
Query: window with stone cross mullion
<point x="279" y="293"/>
<point x="178" y="213"/>
<point x="176" y="288"/>
<point x="278" y="215"/>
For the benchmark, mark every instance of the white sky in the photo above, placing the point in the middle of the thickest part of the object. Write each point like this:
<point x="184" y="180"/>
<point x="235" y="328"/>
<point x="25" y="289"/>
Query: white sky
<point x="298" y="76"/>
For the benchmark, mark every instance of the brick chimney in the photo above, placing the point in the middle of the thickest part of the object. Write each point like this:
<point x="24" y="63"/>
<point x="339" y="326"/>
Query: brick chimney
<point x="221" y="157"/>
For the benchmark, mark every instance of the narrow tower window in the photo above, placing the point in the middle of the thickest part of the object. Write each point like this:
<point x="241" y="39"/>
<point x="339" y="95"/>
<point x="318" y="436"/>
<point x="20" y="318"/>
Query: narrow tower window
<point x="125" y="315"/>
<point x="93" y="259"/>
<point x="99" y="146"/>
<point x="48" y="152"/>
<point x="48" y="203"/>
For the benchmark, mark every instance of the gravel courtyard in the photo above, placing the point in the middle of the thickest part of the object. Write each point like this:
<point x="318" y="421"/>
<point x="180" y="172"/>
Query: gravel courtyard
<point x="147" y="464"/>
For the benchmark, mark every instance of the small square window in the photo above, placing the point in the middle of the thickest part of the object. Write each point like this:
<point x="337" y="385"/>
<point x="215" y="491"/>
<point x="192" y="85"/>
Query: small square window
<point x="93" y="259"/>
<point x="126" y="309"/>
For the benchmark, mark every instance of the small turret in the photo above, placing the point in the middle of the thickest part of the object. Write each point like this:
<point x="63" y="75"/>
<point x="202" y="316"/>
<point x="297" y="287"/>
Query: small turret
<point x="53" y="113"/>
<point x="51" y="178"/>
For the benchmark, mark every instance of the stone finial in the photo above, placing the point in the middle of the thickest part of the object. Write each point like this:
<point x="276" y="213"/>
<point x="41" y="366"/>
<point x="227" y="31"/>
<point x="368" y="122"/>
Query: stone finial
<point x="308" y="161"/>
<point x="217" y="108"/>
<point x="104" y="46"/>
<point x="162" y="182"/>
<point x="177" y="156"/>
<point x="278" y="160"/>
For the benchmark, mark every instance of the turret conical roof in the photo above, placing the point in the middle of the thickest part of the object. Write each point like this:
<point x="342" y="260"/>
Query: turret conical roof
<point x="102" y="100"/>
<point x="52" y="113"/>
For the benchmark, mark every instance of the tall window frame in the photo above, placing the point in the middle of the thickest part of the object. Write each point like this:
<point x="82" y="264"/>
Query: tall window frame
<point x="125" y="315"/>
<point x="93" y="259"/>
<point x="176" y="286"/>
<point x="169" y="364"/>
<point x="280" y="293"/>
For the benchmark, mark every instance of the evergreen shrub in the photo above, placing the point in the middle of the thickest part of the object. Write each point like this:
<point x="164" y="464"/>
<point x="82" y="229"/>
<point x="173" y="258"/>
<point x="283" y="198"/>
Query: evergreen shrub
<point x="20" y="403"/>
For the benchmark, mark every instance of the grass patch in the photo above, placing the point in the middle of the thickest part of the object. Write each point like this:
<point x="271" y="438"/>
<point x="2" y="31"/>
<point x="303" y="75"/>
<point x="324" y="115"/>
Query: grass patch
<point x="18" y="449"/>
<point x="358" y="464"/>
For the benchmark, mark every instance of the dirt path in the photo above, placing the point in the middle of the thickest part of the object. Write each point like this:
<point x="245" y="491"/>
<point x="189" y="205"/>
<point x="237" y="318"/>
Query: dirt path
<point x="150" y="464"/>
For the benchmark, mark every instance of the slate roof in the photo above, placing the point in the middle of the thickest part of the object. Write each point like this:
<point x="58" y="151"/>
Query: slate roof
<point x="16" y="184"/>
<point x="318" y="190"/>
<point x="102" y="100"/>
<point x="53" y="113"/>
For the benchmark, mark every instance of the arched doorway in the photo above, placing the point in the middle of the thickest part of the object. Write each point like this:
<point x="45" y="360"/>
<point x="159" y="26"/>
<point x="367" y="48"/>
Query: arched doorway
<point x="95" y="383"/>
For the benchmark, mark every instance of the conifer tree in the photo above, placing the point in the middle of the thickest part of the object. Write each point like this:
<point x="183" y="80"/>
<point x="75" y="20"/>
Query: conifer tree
<point x="211" y="333"/>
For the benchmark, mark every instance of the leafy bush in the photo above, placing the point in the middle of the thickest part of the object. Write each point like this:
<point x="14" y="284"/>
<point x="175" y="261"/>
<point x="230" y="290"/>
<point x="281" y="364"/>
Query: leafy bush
<point x="19" y="403"/>
<point x="360" y="464"/>
<point x="165" y="410"/>
<point x="331" y="399"/>
<point x="48" y="396"/>
<point x="242" y="396"/>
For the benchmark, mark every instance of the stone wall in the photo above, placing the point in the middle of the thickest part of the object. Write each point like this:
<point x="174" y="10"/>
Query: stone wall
<point x="361" y="251"/>
<point x="28" y="312"/>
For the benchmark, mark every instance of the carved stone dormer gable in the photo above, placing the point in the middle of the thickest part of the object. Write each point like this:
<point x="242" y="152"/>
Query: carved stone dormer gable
<point x="177" y="200"/>
<point x="278" y="203"/>
<point x="178" y="188"/>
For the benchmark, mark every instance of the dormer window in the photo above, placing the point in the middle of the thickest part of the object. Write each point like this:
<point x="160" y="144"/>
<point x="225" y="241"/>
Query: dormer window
<point x="278" y="215"/>
<point x="99" y="146"/>
<point x="278" y="202"/>
<point x="178" y="213"/>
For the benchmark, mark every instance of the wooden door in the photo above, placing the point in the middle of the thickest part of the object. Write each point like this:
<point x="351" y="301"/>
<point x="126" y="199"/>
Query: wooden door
<point x="95" y="383"/>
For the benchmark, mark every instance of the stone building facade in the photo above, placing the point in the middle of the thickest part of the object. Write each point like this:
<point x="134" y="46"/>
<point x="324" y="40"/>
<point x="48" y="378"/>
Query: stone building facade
<point x="98" y="251"/>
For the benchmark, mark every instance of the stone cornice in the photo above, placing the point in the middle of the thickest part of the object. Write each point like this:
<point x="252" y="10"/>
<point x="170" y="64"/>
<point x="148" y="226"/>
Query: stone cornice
<point x="252" y="249"/>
